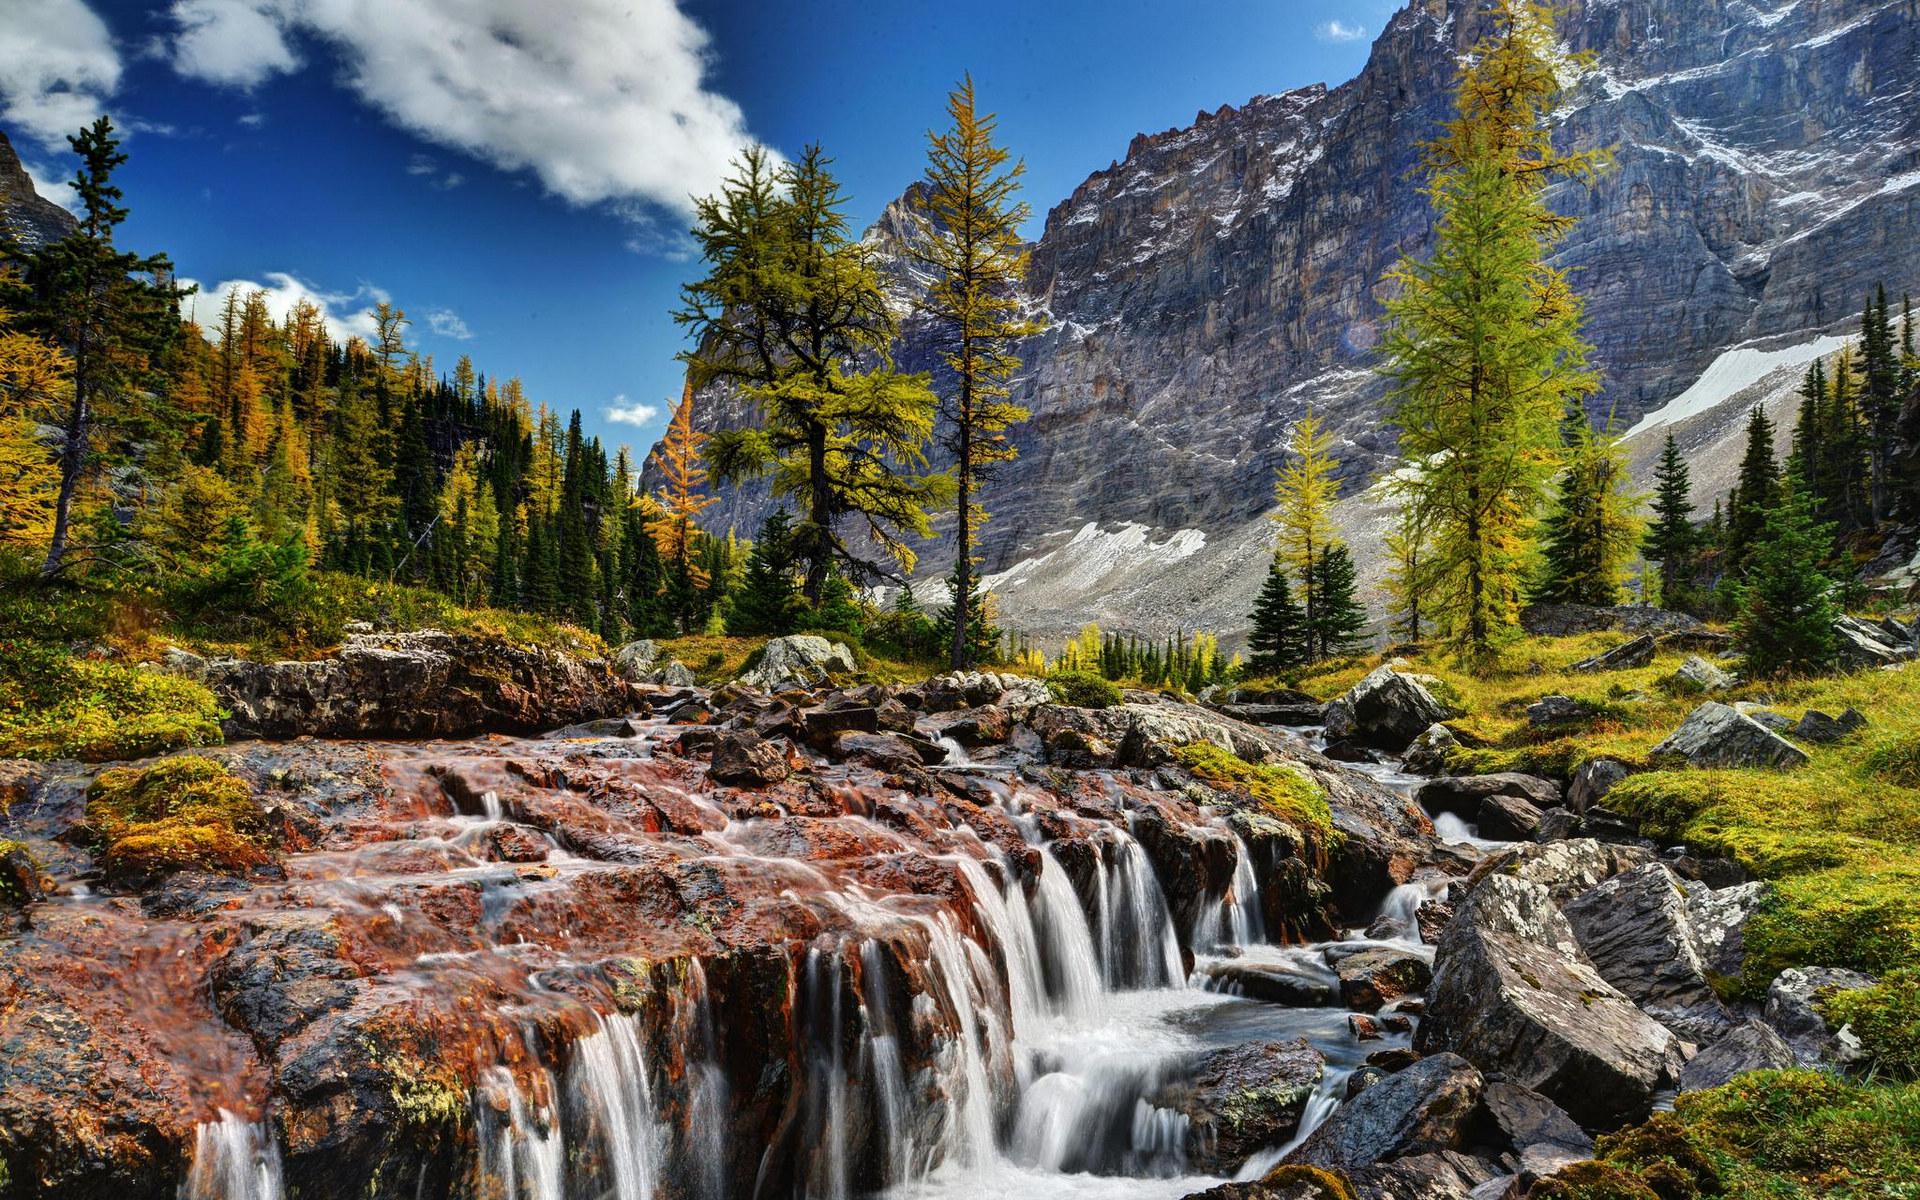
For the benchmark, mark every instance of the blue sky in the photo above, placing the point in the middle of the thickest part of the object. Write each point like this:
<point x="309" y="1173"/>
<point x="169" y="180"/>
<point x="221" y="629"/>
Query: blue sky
<point x="513" y="173"/>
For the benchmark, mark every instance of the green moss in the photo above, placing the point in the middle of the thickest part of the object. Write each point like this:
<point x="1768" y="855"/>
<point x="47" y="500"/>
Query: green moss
<point x="1593" y="1181"/>
<point x="1285" y="791"/>
<point x="15" y="856"/>
<point x="179" y="813"/>
<point x="56" y="705"/>
<point x="1886" y="1019"/>
<point x="425" y="1095"/>
<point x="1082" y="690"/>
<point x="1311" y="1183"/>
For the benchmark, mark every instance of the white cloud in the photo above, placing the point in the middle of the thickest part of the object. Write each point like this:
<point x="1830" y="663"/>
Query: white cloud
<point x="253" y="120"/>
<point x="233" y="42"/>
<point x="349" y="314"/>
<point x="608" y="103"/>
<point x="1339" y="31"/>
<point x="58" y="67"/>
<point x="447" y="323"/>
<point x="622" y="413"/>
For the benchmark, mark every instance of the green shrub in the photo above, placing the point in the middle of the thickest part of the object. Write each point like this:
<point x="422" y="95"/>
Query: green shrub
<point x="56" y="705"/>
<point x="177" y="814"/>
<point x="1886" y="1019"/>
<point x="1080" y="689"/>
<point x="1285" y="791"/>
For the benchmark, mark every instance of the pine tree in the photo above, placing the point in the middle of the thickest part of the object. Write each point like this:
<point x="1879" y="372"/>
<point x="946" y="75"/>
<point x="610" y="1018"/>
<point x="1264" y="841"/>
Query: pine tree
<point x="1879" y="398"/>
<point x="1808" y="449"/>
<point x="1671" y="541"/>
<point x="971" y="244"/>
<point x="768" y="603"/>
<point x="1755" y="494"/>
<point x="111" y="311"/>
<point x="676" y="529"/>
<point x="983" y="635"/>
<point x="1340" y="625"/>
<point x="1786" y="603"/>
<point x="1279" y="625"/>
<point x="33" y="374"/>
<point x="1594" y="530"/>
<point x="792" y="310"/>
<point x="1305" y="490"/>
<point x="1483" y="346"/>
<point x="1409" y="573"/>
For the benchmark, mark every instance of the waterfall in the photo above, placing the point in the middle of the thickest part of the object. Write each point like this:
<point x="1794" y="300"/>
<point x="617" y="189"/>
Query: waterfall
<point x="1235" y="919"/>
<point x="608" y="1082"/>
<point x="1073" y="970"/>
<point x="707" y="1087"/>
<point x="521" y="1149"/>
<point x="233" y="1159"/>
<point x="1137" y="944"/>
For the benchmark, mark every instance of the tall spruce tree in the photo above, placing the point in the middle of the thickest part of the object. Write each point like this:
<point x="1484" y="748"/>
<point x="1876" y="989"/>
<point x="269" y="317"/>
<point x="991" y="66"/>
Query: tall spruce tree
<point x="1755" y="493"/>
<point x="1279" y="639"/>
<point x="792" y="311"/>
<point x="982" y="631"/>
<point x="1483" y="347"/>
<point x="1787" y="608"/>
<point x="1879" y="397"/>
<point x="1340" y="625"/>
<point x="768" y="603"/>
<point x="1672" y="541"/>
<point x="1305" y="490"/>
<point x="970" y="242"/>
<point x="1593" y="531"/>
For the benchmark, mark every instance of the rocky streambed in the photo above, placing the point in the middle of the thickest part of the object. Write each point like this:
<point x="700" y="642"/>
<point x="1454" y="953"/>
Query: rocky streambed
<point x="944" y="940"/>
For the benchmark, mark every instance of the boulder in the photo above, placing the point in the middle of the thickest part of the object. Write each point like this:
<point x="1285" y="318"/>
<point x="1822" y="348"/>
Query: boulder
<point x="1555" y="710"/>
<point x="1866" y="644"/>
<point x="1625" y="656"/>
<point x="635" y="660"/>
<point x="1698" y="676"/>
<point x="1592" y="780"/>
<point x="1637" y="930"/>
<point x="1462" y="795"/>
<point x="1513" y="993"/>
<point x="1558" y="825"/>
<point x="892" y="753"/>
<point x="743" y="759"/>
<point x="1565" y="869"/>
<point x="1778" y="722"/>
<point x="1507" y="819"/>
<point x="1273" y="714"/>
<point x="800" y="661"/>
<point x="1337" y="716"/>
<point x="1519" y="1121"/>
<point x="1243" y="1099"/>
<point x="1817" y="726"/>
<point x="1715" y="735"/>
<point x="1390" y="709"/>
<point x="1427" y="755"/>
<point x="1426" y="1108"/>
<point x="1276" y="983"/>
<point x="675" y="674"/>
<point x="1792" y="1010"/>
<point x="1750" y="1046"/>
<point x="1719" y="916"/>
<point x="1566" y="620"/>
<point x="1378" y="974"/>
<point x="983" y="726"/>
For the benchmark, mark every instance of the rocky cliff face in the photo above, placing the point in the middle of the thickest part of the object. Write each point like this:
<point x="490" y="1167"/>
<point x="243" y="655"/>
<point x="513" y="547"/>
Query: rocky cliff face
<point x="28" y="217"/>
<point x="1218" y="280"/>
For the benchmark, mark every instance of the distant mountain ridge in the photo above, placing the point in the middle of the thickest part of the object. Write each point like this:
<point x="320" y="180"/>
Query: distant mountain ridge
<point x="30" y="219"/>
<point x="1207" y="288"/>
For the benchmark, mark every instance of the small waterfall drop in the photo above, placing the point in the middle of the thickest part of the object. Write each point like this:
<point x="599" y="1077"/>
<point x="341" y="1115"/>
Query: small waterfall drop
<point x="520" y="1148"/>
<point x="233" y="1159"/>
<point x="608" y="1083"/>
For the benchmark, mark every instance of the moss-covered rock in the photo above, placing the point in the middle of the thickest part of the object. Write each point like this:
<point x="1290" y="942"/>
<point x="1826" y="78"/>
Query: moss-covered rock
<point x="1288" y="793"/>
<point x="186" y="813"/>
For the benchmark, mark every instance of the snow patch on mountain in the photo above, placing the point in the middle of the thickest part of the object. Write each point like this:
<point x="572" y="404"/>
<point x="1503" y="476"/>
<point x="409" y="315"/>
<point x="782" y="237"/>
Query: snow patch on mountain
<point x="1732" y="373"/>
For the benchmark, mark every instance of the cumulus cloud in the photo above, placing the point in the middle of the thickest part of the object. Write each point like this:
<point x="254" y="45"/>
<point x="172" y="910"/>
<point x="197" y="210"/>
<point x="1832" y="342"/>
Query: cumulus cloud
<point x="253" y="120"/>
<point x="609" y="103"/>
<point x="348" y="314"/>
<point x="238" y="43"/>
<point x="622" y="413"/>
<point x="447" y="323"/>
<point x="1339" y="31"/>
<point x="58" y="68"/>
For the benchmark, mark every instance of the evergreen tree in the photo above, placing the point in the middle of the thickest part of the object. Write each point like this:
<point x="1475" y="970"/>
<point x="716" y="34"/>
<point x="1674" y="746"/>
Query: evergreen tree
<point x="1755" y="494"/>
<point x="1593" y="531"/>
<point x="111" y="311"/>
<point x="972" y="246"/>
<point x="1483" y="346"/>
<point x="675" y="529"/>
<point x="1305" y="490"/>
<point x="33" y="374"/>
<point x="793" y="311"/>
<point x="1786" y="603"/>
<point x="1879" y="397"/>
<point x="839" y="610"/>
<point x="1671" y="541"/>
<point x="1409" y="573"/>
<point x="1340" y="625"/>
<point x="983" y="635"/>
<point x="768" y="603"/>
<point x="1279" y="634"/>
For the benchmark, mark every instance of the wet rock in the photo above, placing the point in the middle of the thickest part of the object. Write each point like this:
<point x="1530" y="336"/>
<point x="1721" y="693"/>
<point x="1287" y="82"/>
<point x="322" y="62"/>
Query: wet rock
<point x="1244" y="1099"/>
<point x="983" y="726"/>
<point x="892" y="753"/>
<point x="1273" y="982"/>
<point x="1626" y="656"/>
<point x="1698" y="676"/>
<point x="1507" y="819"/>
<point x="1565" y="869"/>
<point x="19" y="875"/>
<point x="1363" y="1028"/>
<point x="1714" y="735"/>
<point x="1463" y="795"/>
<point x="1349" y="752"/>
<point x="744" y="759"/>
<point x="1444" y="1175"/>
<point x="1637" y="930"/>
<point x="610" y="727"/>
<point x="1750" y="1046"/>
<point x="1282" y="1183"/>
<point x="1513" y="993"/>
<point x="823" y="723"/>
<point x="1555" y="710"/>
<point x="514" y="844"/>
<point x="1792" y="1010"/>
<point x="1427" y="754"/>
<point x="1519" y="1121"/>
<point x="1377" y="974"/>
<point x="801" y="661"/>
<point x="1817" y="726"/>
<point x="1362" y="1078"/>
<point x="1557" y="825"/>
<point x="1431" y="918"/>
<point x="1303" y="713"/>
<point x="1397" y="1058"/>
<point x="1593" y="780"/>
<point x="1337" y="716"/>
<point x="422" y="684"/>
<point x="1426" y="1108"/>
<point x="1389" y="710"/>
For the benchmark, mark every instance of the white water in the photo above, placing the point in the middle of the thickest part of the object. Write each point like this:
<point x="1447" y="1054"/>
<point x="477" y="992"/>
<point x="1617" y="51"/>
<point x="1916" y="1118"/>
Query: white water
<point x="233" y="1159"/>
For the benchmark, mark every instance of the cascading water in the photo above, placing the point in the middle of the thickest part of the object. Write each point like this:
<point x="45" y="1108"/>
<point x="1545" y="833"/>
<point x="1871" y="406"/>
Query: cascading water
<point x="233" y="1159"/>
<point x="612" y="1103"/>
<point x="520" y="1149"/>
<point x="1235" y="919"/>
<point x="1137" y="945"/>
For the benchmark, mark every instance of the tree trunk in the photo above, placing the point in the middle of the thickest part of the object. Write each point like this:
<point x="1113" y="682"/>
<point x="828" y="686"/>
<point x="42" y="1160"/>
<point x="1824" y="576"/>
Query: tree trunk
<point x="819" y="513"/>
<point x="73" y="456"/>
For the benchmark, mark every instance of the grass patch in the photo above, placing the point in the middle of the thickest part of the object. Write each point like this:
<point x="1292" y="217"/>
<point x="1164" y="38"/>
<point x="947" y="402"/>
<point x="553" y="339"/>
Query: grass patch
<point x="177" y="814"/>
<point x="1766" y="1134"/>
<point x="1284" y="791"/>
<point x="1886" y="1018"/>
<point x="54" y="704"/>
<point x="1081" y="689"/>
